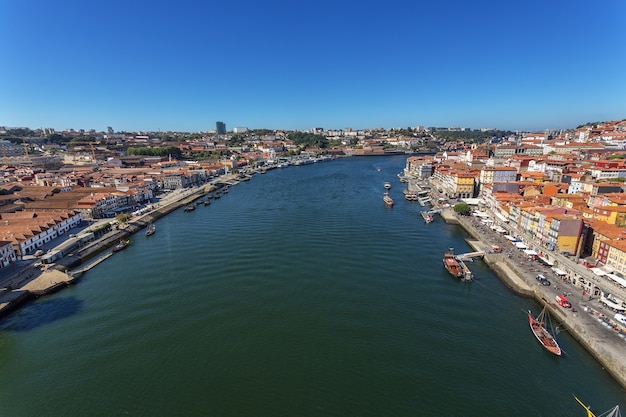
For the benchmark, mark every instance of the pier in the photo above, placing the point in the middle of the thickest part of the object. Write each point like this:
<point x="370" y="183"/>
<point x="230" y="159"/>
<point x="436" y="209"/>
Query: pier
<point x="470" y="255"/>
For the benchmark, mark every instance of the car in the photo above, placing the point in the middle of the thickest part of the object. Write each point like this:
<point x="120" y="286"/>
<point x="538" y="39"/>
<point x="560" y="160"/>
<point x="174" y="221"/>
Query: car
<point x="543" y="280"/>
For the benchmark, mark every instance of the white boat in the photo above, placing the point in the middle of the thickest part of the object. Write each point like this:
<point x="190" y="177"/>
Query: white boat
<point x="387" y="185"/>
<point x="151" y="229"/>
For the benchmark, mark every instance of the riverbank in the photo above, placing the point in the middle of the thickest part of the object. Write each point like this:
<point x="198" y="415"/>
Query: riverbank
<point x="32" y="282"/>
<point x="585" y="323"/>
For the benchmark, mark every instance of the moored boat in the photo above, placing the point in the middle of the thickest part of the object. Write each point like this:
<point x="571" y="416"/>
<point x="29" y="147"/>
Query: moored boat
<point x="538" y="326"/>
<point x="387" y="185"/>
<point x="190" y="207"/>
<point x="428" y="218"/>
<point x="151" y="229"/>
<point x="388" y="200"/>
<point x="613" y="412"/>
<point x="452" y="264"/>
<point x="122" y="245"/>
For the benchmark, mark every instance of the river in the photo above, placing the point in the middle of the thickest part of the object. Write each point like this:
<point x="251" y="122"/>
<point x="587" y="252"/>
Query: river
<point x="298" y="293"/>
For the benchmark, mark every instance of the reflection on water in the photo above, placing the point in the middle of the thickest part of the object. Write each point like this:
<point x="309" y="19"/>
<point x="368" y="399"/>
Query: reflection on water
<point x="40" y="312"/>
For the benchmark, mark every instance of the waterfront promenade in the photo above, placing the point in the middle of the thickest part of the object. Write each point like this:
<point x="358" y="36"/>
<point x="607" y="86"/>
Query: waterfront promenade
<point x="587" y="321"/>
<point x="25" y="281"/>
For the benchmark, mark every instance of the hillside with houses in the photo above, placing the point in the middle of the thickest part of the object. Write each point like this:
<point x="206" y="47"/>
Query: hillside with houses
<point x="564" y="188"/>
<point x="563" y="191"/>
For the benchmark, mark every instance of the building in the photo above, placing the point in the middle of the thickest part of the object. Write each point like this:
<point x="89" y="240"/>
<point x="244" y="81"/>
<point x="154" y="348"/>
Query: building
<point x="220" y="128"/>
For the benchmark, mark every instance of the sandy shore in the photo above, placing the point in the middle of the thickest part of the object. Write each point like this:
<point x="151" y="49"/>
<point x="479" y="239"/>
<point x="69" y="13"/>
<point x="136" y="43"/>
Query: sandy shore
<point x="585" y="322"/>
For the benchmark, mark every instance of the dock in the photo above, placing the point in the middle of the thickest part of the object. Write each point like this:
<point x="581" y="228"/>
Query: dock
<point x="423" y="200"/>
<point x="48" y="282"/>
<point x="86" y="267"/>
<point x="470" y="255"/>
<point x="463" y="257"/>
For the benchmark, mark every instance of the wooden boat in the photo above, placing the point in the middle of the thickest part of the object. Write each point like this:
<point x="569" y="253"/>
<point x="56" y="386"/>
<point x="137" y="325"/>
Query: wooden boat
<point x="538" y="326"/>
<point x="151" y="229"/>
<point x="190" y="207"/>
<point x="427" y="217"/>
<point x="613" y="412"/>
<point x="207" y="202"/>
<point x="122" y="245"/>
<point x="388" y="200"/>
<point x="453" y="265"/>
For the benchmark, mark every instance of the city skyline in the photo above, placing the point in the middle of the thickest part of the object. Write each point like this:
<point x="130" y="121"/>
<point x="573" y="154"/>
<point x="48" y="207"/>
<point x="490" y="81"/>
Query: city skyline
<point x="139" y="66"/>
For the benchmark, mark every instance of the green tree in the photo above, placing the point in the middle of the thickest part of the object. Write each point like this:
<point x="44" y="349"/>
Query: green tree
<point x="308" y="140"/>
<point x="57" y="138"/>
<point x="122" y="218"/>
<point x="172" y="151"/>
<point x="462" y="208"/>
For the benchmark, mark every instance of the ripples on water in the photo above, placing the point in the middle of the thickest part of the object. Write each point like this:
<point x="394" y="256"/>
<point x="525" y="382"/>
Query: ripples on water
<point x="297" y="293"/>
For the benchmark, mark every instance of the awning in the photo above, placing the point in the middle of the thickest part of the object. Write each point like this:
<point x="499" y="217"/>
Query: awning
<point x="545" y="261"/>
<point x="486" y="220"/>
<point x="501" y="217"/>
<point x="598" y="271"/>
<point x="500" y="230"/>
<point x="521" y="245"/>
<point x="620" y="281"/>
<point x="559" y="271"/>
<point x="530" y="252"/>
<point x="612" y="304"/>
<point x="511" y="238"/>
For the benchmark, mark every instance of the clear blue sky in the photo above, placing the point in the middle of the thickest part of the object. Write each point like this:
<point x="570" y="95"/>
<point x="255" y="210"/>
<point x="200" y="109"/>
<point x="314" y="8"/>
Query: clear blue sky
<point x="182" y="65"/>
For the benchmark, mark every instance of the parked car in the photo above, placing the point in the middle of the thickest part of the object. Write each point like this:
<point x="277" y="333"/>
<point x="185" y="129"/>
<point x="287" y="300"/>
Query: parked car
<point x="543" y="280"/>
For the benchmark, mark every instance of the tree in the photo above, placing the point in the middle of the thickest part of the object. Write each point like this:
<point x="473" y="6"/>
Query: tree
<point x="308" y="140"/>
<point x="164" y="151"/>
<point x="462" y="208"/>
<point x="122" y="218"/>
